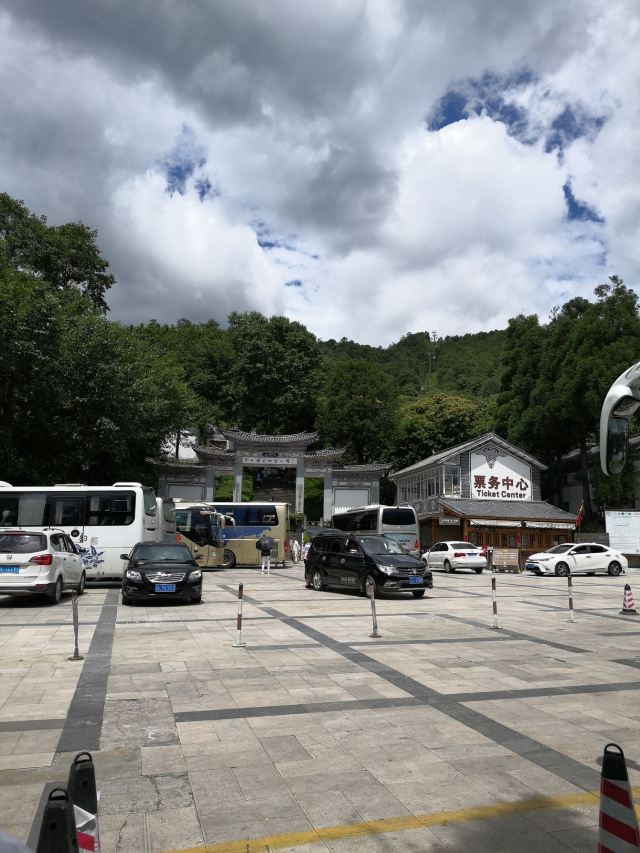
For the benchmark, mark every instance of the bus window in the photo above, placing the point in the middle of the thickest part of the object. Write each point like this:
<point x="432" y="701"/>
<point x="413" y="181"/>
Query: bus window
<point x="110" y="509"/>
<point x="66" y="510"/>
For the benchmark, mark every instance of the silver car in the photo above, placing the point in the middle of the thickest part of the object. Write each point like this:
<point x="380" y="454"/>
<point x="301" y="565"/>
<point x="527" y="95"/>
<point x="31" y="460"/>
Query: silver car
<point x="451" y="556"/>
<point x="39" y="563"/>
<point x="584" y="558"/>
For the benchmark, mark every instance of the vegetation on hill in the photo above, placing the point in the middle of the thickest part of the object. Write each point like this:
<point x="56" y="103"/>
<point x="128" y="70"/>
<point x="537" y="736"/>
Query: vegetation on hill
<point x="83" y="398"/>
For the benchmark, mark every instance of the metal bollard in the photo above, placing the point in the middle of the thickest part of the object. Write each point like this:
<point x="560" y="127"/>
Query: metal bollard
<point x="570" y="585"/>
<point x="374" y="617"/>
<point x="495" y="604"/>
<point x="238" y="643"/>
<point x="74" y="610"/>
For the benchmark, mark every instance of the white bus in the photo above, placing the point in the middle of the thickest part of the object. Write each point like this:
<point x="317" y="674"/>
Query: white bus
<point x="396" y="522"/>
<point x="103" y="521"/>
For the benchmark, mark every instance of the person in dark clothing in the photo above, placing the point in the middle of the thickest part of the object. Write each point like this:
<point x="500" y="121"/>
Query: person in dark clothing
<point x="265" y="545"/>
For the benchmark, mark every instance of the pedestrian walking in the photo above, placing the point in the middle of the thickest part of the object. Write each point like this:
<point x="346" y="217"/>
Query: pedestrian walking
<point x="295" y="550"/>
<point x="265" y="545"/>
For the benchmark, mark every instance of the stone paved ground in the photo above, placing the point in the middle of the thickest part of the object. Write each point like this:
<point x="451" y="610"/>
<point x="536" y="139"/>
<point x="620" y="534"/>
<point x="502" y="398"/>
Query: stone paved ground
<point x="314" y="724"/>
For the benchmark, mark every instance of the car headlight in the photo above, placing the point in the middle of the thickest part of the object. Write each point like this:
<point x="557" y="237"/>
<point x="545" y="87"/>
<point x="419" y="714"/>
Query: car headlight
<point x="195" y="575"/>
<point x="133" y="575"/>
<point x="542" y="559"/>
<point x="388" y="570"/>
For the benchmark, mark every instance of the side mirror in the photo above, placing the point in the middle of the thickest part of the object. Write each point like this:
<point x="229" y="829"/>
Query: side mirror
<point x="620" y="403"/>
<point x="125" y="557"/>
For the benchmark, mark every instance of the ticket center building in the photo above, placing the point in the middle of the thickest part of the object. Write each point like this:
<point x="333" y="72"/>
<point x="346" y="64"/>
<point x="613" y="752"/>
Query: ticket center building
<point x="485" y="491"/>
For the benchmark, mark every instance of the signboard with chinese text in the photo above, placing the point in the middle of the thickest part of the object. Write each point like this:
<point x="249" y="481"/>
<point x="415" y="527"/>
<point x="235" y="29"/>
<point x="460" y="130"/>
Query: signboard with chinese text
<point x="503" y="478"/>
<point x="449" y="519"/>
<point x="273" y="461"/>
<point x="624" y="531"/>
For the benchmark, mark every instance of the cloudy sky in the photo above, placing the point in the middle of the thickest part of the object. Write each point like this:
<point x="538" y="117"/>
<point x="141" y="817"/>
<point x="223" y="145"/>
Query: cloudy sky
<point x="368" y="167"/>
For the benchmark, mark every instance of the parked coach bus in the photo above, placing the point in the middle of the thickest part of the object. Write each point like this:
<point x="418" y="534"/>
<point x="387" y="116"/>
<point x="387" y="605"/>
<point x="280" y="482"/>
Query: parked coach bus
<point x="102" y="521"/>
<point x="200" y="527"/>
<point x="396" y="522"/>
<point x="250" y="520"/>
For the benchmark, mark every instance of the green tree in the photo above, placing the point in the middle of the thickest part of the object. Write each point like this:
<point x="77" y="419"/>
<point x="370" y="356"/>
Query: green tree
<point x="358" y="410"/>
<point x="65" y="256"/>
<point x="274" y="376"/>
<point x="433" y="423"/>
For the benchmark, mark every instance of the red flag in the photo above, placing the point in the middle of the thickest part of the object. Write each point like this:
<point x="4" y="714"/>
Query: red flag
<point x="580" y="514"/>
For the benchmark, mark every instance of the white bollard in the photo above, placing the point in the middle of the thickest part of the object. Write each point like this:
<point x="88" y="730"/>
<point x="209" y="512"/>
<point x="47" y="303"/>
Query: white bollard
<point x="374" y="617"/>
<point x="74" y="610"/>
<point x="570" y="585"/>
<point x="495" y="625"/>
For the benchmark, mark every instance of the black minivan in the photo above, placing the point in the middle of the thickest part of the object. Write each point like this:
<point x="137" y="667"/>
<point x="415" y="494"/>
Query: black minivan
<point x="364" y="562"/>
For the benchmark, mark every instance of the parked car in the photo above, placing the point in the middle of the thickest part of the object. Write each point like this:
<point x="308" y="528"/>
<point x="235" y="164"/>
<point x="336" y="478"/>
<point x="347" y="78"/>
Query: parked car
<point x="584" y="558"/>
<point x="364" y="563"/>
<point x="161" y="570"/>
<point x="452" y="556"/>
<point x="42" y="563"/>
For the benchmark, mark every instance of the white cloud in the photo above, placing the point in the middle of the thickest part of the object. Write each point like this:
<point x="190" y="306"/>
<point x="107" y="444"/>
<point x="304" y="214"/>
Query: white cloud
<point x="312" y="121"/>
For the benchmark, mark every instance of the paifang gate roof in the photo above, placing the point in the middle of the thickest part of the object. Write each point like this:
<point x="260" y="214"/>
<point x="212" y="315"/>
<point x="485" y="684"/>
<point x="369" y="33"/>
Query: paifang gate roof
<point x="240" y="438"/>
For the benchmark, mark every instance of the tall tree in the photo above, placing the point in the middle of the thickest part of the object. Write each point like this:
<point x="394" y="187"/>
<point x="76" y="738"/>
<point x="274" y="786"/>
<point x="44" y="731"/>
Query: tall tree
<point x="274" y="378"/>
<point x="65" y="256"/>
<point x="358" y="410"/>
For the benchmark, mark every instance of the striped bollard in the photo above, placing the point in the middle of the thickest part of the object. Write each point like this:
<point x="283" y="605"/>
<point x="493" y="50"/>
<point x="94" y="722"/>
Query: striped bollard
<point x="619" y="829"/>
<point x="495" y="605"/>
<point x="570" y="585"/>
<point x="238" y="643"/>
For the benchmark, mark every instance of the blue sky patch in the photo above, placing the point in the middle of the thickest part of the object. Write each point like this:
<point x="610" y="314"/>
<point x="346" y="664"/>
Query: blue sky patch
<point x="577" y="210"/>
<point x="572" y="123"/>
<point x="185" y="158"/>
<point x="295" y="282"/>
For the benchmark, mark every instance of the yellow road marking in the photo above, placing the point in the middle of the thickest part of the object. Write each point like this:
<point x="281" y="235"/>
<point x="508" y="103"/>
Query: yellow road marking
<point x="267" y="843"/>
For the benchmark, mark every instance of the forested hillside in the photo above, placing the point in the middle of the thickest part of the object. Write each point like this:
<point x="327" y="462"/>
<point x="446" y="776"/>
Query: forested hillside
<point x="84" y="398"/>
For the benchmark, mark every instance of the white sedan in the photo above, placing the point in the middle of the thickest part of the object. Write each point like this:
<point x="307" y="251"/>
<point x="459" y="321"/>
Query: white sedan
<point x="455" y="555"/>
<point x="585" y="558"/>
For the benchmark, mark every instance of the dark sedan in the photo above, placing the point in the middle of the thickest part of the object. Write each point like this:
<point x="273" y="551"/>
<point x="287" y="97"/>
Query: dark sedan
<point x="159" y="570"/>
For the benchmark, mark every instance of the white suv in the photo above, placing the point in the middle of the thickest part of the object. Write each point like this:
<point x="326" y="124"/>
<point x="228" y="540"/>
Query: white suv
<point x="39" y="563"/>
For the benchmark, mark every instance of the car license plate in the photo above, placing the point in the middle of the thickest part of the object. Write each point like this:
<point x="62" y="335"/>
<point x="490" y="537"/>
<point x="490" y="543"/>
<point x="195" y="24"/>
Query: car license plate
<point x="415" y="580"/>
<point x="530" y="566"/>
<point x="165" y="587"/>
<point x="10" y="570"/>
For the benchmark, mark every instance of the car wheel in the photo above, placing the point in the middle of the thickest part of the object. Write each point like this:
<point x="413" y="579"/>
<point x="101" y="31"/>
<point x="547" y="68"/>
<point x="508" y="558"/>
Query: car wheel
<point x="479" y="571"/>
<point x="370" y="584"/>
<point x="448" y="567"/>
<point x="417" y="593"/>
<point x="229" y="559"/>
<point x="562" y="570"/>
<point x="196" y="599"/>
<point x="55" y="596"/>
<point x="614" y="569"/>
<point x="317" y="581"/>
<point x="81" y="585"/>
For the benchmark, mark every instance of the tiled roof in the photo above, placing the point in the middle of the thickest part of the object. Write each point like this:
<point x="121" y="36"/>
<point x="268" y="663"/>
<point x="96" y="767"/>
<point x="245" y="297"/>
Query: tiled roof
<point x="469" y="445"/>
<point x="521" y="510"/>
<point x="212" y="452"/>
<point x="175" y="464"/>
<point x="238" y="436"/>
<point x="372" y="467"/>
<point x="324" y="455"/>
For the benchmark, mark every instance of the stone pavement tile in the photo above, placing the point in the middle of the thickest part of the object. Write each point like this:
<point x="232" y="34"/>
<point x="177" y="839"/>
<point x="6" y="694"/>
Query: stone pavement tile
<point x="261" y="783"/>
<point x="544" y="782"/>
<point x="15" y="761"/>
<point x="123" y="833"/>
<point x="284" y="748"/>
<point x="510" y="834"/>
<point x="160" y="760"/>
<point x="404" y="841"/>
<point x="40" y="711"/>
<point x="144" y="794"/>
<point x="329" y="809"/>
<point x="199" y="732"/>
<point x="173" y="828"/>
<point x="579" y="838"/>
<point x="558" y="820"/>
<point x="138" y="723"/>
<point x="38" y="740"/>
<point x="252" y="820"/>
<point x="213" y="789"/>
<point x="227" y="755"/>
<point x="374" y="801"/>
<point x="8" y="741"/>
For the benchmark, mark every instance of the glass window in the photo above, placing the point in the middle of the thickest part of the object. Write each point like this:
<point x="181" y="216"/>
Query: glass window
<point x="598" y="549"/>
<point x="110" y="508"/>
<point x="334" y="545"/>
<point x="398" y="517"/>
<point x="22" y="543"/>
<point x="253" y="515"/>
<point x="149" y="501"/>
<point x="451" y="480"/>
<point x="66" y="510"/>
<point x="160" y="551"/>
<point x="23" y="509"/>
<point x="56" y="543"/>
